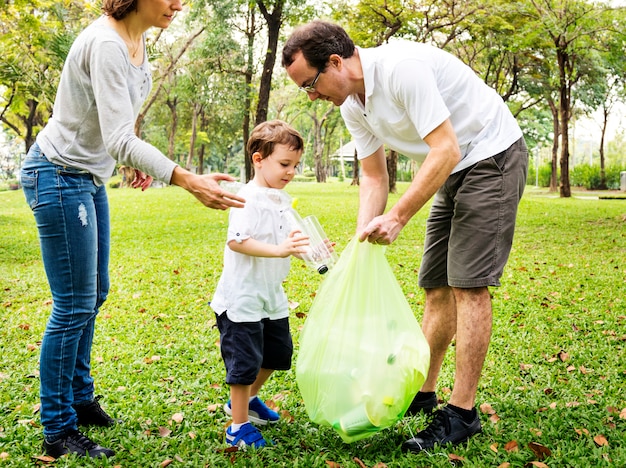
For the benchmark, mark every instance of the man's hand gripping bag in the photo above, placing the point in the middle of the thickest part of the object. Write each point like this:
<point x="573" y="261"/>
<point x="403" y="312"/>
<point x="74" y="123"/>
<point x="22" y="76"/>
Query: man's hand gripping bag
<point x="362" y="355"/>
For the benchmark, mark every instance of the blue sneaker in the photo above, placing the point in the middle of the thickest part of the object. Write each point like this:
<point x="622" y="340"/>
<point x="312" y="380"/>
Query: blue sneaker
<point x="258" y="412"/>
<point x="246" y="436"/>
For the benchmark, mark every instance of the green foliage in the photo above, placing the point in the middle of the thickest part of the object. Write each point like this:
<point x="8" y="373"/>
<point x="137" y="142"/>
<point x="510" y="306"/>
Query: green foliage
<point x="588" y="176"/>
<point x="554" y="374"/>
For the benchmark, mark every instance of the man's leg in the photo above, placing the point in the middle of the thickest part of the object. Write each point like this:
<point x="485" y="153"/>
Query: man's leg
<point x="473" y="333"/>
<point x="439" y="327"/>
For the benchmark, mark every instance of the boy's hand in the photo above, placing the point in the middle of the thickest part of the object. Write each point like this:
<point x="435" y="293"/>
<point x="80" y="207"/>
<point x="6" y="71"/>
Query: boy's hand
<point x="294" y="244"/>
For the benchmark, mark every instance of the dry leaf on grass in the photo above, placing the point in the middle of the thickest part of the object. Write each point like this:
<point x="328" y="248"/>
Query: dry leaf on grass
<point x="601" y="441"/>
<point x="511" y="446"/>
<point x="455" y="460"/>
<point x="164" y="431"/>
<point x="540" y="451"/>
<point x="359" y="462"/>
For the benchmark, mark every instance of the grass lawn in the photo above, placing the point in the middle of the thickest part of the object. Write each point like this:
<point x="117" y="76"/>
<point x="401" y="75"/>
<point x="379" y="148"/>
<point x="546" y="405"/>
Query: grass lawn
<point x="553" y="382"/>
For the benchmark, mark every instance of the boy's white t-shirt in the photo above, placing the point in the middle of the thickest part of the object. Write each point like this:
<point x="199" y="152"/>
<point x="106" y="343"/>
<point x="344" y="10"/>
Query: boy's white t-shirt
<point x="250" y="288"/>
<point x="411" y="89"/>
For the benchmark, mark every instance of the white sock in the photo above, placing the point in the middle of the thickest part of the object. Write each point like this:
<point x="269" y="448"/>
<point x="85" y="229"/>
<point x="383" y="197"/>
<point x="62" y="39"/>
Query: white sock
<point x="252" y="397"/>
<point x="235" y="427"/>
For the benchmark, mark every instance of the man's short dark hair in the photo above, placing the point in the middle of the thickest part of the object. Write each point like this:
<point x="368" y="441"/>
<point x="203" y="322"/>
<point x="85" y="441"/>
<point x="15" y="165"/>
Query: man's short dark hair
<point x="317" y="41"/>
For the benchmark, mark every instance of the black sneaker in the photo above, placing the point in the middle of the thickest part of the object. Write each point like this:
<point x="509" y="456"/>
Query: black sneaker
<point x="92" y="414"/>
<point x="75" y="442"/>
<point x="419" y="405"/>
<point x="447" y="427"/>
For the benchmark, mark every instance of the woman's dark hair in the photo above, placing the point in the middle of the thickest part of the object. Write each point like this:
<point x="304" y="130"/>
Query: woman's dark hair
<point x="318" y="40"/>
<point x="119" y="9"/>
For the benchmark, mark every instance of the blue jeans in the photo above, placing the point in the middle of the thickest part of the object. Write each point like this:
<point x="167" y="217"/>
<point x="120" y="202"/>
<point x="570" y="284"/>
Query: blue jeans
<point x="72" y="215"/>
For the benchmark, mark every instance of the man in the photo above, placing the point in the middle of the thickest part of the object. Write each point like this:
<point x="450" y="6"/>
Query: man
<point x="426" y="104"/>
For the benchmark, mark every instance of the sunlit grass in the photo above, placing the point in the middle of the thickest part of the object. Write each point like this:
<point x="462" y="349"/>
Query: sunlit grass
<point x="555" y="371"/>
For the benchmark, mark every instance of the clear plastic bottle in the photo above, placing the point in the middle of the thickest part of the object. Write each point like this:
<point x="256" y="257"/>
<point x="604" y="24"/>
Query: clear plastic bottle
<point x="319" y="255"/>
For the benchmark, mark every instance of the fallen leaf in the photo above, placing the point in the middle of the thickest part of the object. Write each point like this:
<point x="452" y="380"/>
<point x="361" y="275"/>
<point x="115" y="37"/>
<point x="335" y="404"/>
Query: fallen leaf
<point x="178" y="417"/>
<point x="504" y="465"/>
<point x="563" y="356"/>
<point x="192" y="435"/>
<point x="380" y="465"/>
<point x="455" y="459"/>
<point x="622" y="414"/>
<point x="511" y="446"/>
<point x="540" y="451"/>
<point x="486" y="408"/>
<point x="166" y="462"/>
<point x="293" y="305"/>
<point x="359" y="462"/>
<point x="494" y="447"/>
<point x="600" y="441"/>
<point x="45" y="459"/>
<point x="213" y="408"/>
<point x="164" y="431"/>
<point x="494" y="418"/>
<point x="333" y="464"/>
<point x="537" y="464"/>
<point x="4" y="456"/>
<point x="286" y="416"/>
<point x="581" y="431"/>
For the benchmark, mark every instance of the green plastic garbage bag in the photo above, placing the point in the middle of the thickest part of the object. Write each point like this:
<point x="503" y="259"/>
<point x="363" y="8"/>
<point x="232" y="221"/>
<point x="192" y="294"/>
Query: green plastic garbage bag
<point x="362" y="355"/>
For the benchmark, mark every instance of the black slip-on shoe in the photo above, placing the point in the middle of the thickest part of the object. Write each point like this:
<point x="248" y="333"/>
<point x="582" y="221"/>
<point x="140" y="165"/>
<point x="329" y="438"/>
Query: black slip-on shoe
<point x="447" y="427"/>
<point x="78" y="443"/>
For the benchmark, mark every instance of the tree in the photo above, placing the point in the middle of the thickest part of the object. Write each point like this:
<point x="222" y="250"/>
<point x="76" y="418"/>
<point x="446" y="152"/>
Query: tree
<point x="572" y="27"/>
<point x="35" y="39"/>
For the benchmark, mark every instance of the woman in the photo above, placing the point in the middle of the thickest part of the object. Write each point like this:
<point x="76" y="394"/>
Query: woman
<point x="105" y="80"/>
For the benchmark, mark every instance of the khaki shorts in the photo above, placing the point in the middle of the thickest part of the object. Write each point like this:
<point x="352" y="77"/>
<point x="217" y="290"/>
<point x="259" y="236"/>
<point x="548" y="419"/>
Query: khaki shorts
<point x="470" y="227"/>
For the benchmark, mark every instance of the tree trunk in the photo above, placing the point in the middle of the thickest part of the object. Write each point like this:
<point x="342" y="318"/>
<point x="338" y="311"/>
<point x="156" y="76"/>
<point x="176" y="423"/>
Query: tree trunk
<point x="251" y="35"/>
<point x="30" y="122"/>
<point x="564" y="111"/>
<point x="392" y="169"/>
<point x="605" y="115"/>
<point x="194" y="132"/>
<point x="274" y="21"/>
<point x="355" y="171"/>
<point x="171" y="144"/>
<point x="555" y="145"/>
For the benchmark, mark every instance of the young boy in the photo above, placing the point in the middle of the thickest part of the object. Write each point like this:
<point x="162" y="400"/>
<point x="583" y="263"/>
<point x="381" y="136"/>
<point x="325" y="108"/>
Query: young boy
<point x="250" y="303"/>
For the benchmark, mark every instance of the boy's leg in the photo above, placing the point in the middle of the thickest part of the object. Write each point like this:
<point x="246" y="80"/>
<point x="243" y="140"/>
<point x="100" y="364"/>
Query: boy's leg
<point x="239" y="398"/>
<point x="261" y="378"/>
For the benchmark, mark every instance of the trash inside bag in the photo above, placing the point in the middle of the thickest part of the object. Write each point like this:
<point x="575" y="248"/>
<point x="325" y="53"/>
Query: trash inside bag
<point x="362" y="355"/>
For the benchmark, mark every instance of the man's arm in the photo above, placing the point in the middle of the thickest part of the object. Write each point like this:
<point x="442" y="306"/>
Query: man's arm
<point x="443" y="156"/>
<point x="373" y="187"/>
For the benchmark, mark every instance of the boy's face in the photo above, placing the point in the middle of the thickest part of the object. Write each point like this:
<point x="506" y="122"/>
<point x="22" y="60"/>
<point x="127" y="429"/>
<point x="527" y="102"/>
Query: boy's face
<point x="278" y="169"/>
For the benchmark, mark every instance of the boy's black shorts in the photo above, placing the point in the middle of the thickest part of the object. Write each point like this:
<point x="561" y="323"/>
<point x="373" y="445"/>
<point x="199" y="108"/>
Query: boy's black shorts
<point x="247" y="347"/>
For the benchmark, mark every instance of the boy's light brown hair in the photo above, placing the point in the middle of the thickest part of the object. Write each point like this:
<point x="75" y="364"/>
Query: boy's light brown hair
<point x="273" y="132"/>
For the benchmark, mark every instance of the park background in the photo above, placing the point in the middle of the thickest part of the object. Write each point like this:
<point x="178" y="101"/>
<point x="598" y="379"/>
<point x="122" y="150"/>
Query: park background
<point x="552" y="388"/>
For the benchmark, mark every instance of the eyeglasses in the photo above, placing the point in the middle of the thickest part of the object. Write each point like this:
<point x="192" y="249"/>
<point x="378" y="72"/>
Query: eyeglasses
<point x="310" y="88"/>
